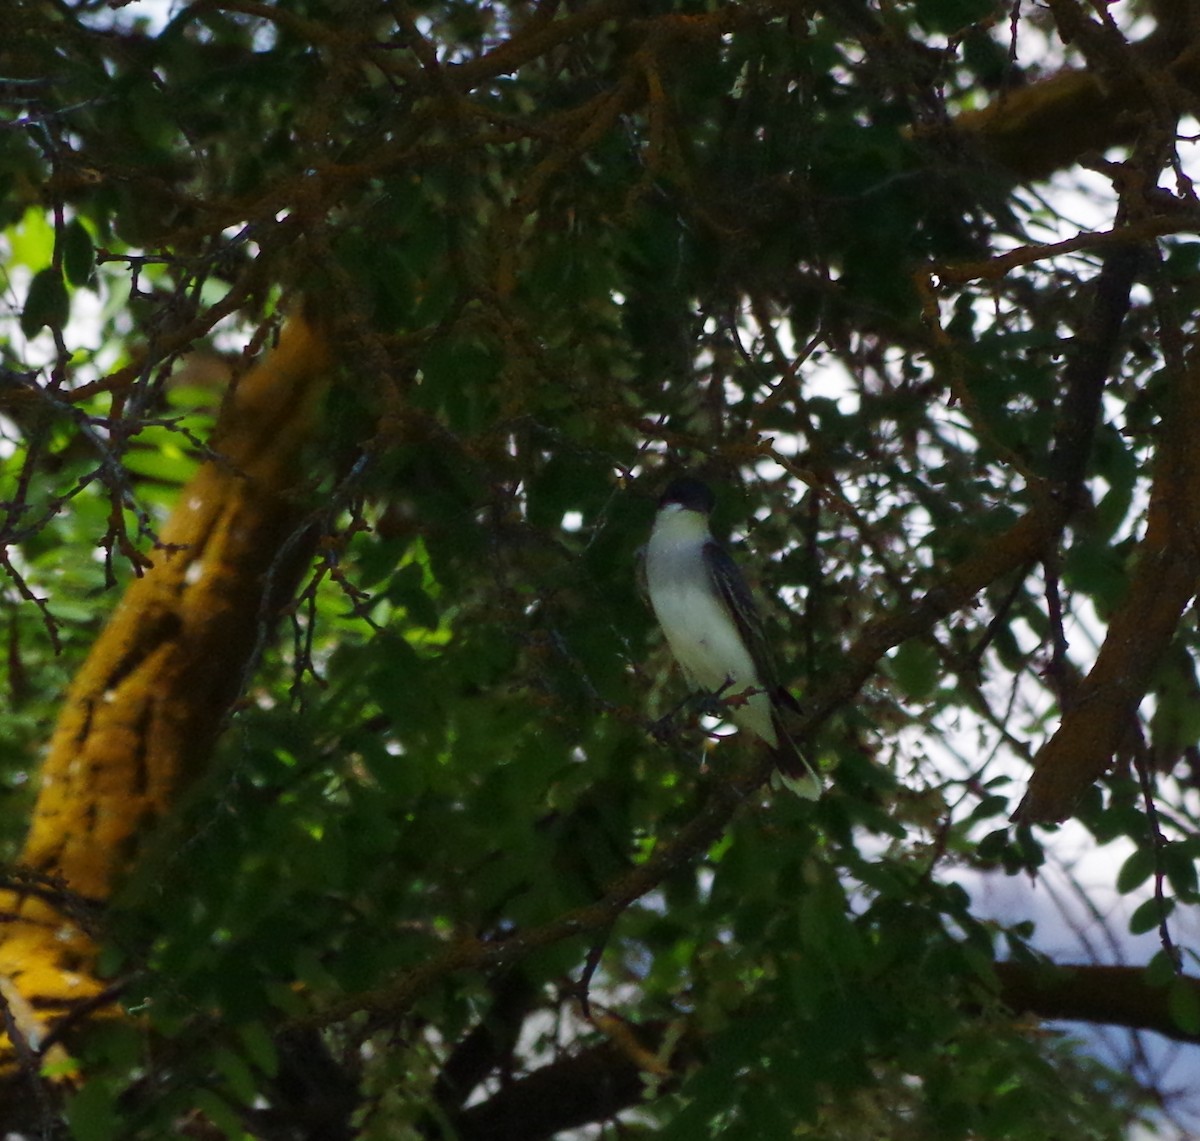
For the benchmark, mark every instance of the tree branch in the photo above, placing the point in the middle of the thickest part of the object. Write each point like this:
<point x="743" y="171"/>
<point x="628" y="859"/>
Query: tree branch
<point x="1049" y="125"/>
<point x="1084" y="992"/>
<point x="1164" y="581"/>
<point x="1093" y="350"/>
<point x="599" y="1081"/>
<point x="594" y="1084"/>
<point x="394" y="1000"/>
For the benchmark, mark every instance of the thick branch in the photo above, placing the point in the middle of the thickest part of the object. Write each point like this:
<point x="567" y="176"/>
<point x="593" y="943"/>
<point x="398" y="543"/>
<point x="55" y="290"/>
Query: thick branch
<point x="489" y="1044"/>
<point x="1143" y="230"/>
<point x="1051" y="124"/>
<point x="598" y="1082"/>
<point x="1117" y="996"/>
<point x="1028" y="539"/>
<point x="594" y="1084"/>
<point x="1086" y="374"/>
<point x="1164" y="581"/>
<point x="143" y="713"/>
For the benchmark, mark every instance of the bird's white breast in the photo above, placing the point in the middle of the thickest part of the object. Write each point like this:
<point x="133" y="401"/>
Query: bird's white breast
<point x="699" y="629"/>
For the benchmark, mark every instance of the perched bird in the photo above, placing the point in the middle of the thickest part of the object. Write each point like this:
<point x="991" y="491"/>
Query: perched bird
<point x="713" y="627"/>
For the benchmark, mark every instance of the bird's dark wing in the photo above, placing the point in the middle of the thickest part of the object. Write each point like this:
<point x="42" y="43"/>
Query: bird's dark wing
<point x="736" y="594"/>
<point x="795" y="772"/>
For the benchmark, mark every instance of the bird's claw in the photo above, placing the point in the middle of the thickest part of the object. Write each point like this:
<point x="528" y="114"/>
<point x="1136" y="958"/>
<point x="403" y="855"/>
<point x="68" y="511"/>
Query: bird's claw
<point x="664" y="729"/>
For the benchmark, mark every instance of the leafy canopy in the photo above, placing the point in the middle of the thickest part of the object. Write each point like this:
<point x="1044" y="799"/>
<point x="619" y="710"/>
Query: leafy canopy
<point x="560" y="252"/>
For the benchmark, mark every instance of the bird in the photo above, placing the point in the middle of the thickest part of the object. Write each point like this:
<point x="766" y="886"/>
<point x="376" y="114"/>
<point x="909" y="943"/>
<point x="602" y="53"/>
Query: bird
<point x="714" y="629"/>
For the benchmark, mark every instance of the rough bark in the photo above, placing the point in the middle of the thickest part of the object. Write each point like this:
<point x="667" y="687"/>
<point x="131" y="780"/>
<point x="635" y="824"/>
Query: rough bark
<point x="603" y="1079"/>
<point x="1163" y="583"/>
<point x="141" y="717"/>
<point x="1107" y="995"/>
<point x="1049" y="125"/>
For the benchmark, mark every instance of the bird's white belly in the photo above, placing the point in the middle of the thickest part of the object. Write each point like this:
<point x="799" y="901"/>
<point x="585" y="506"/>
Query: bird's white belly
<point x="703" y="639"/>
<point x="707" y="644"/>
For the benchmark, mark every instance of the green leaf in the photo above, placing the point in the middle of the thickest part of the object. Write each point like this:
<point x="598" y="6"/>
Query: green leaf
<point x="1183" y="1001"/>
<point x="993" y="845"/>
<point x="993" y="805"/>
<point x="916" y="668"/>
<point x="407" y="590"/>
<point x="46" y="303"/>
<point x="953" y="15"/>
<point x="92" y="1113"/>
<point x="237" y="1074"/>
<point x="1148" y="915"/>
<point x="1179" y="864"/>
<point x="1138" y="868"/>
<point x="220" y="1113"/>
<point x="78" y="253"/>
<point x="458" y="376"/>
<point x="1099" y="569"/>
<point x="259" y="1047"/>
<point x="160" y="454"/>
<point x="32" y="241"/>
<point x="1161" y="969"/>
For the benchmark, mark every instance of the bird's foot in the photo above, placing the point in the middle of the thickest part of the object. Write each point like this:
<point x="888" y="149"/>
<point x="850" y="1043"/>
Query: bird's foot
<point x="664" y="729"/>
<point x="710" y="704"/>
<point x="714" y="703"/>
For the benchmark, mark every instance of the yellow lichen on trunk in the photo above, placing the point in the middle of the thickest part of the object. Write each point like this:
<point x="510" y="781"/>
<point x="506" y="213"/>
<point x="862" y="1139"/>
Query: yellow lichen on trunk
<point x="142" y="715"/>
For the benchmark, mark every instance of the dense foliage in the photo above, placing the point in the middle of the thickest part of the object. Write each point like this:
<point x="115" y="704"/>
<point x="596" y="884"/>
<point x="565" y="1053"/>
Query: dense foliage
<point x="448" y="874"/>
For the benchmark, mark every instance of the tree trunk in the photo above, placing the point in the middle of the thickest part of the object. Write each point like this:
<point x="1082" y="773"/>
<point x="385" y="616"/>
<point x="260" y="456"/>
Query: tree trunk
<point x="141" y="717"/>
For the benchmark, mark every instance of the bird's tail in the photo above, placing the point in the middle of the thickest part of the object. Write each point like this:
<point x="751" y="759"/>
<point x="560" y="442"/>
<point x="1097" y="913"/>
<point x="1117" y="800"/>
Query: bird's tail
<point x="792" y="770"/>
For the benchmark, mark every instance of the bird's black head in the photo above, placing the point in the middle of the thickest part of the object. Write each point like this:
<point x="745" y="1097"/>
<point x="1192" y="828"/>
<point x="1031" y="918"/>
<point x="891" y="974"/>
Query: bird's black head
<point x="691" y="494"/>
